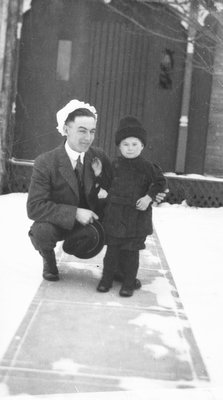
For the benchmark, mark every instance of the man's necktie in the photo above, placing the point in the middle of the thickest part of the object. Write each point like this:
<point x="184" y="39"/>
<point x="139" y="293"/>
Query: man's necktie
<point x="79" y="171"/>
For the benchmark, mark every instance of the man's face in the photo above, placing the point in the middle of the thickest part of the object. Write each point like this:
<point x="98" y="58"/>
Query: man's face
<point x="80" y="133"/>
<point x="131" y="147"/>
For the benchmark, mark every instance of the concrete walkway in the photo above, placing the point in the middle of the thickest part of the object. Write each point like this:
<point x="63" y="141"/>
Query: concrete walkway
<point x="77" y="343"/>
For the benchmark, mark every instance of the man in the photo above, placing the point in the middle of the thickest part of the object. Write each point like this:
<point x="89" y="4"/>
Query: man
<point x="64" y="190"/>
<point x="58" y="198"/>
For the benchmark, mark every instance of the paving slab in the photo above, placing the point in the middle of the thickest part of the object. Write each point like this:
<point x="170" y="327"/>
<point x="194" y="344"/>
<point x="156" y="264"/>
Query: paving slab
<point x="74" y="340"/>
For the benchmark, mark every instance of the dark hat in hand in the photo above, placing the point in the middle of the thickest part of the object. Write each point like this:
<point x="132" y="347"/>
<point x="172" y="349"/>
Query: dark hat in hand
<point x="130" y="126"/>
<point x="85" y="241"/>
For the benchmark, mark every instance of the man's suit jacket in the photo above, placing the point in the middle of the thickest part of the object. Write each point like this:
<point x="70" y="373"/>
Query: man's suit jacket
<point x="53" y="193"/>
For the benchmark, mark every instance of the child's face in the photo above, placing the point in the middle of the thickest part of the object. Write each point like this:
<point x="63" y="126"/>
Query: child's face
<point x="131" y="147"/>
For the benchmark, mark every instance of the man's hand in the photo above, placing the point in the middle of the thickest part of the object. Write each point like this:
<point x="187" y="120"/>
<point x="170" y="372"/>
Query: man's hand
<point x="85" y="216"/>
<point x="161" y="196"/>
<point x="143" y="203"/>
<point x="96" y="166"/>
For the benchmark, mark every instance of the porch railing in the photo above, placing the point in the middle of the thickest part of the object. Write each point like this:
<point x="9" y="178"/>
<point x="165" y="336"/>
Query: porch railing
<point x="196" y="192"/>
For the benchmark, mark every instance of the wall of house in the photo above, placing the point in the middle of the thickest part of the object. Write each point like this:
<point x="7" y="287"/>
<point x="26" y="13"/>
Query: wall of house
<point x="214" y="148"/>
<point x="210" y="159"/>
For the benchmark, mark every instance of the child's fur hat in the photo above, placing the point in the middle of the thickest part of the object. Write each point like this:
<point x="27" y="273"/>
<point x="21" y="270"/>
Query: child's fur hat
<point x="130" y="126"/>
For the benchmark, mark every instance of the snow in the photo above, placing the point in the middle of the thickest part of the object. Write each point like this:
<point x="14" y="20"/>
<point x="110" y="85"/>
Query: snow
<point x="194" y="176"/>
<point x="19" y="265"/>
<point x="190" y="238"/>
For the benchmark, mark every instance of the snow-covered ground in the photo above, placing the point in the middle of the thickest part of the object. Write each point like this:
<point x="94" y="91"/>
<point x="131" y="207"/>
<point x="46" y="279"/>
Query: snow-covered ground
<point x="192" y="242"/>
<point x="20" y="267"/>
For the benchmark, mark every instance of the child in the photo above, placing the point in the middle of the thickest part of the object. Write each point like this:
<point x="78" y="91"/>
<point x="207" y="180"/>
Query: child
<point x="128" y="213"/>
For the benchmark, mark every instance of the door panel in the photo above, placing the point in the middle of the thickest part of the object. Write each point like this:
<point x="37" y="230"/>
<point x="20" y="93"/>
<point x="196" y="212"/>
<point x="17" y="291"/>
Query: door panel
<point x="117" y="86"/>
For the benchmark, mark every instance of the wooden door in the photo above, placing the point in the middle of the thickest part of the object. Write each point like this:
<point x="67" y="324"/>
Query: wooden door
<point x="112" y="58"/>
<point x="128" y="65"/>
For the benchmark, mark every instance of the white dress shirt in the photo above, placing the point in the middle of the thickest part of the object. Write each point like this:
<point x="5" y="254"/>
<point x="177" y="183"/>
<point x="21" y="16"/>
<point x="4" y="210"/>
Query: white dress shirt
<point x="73" y="155"/>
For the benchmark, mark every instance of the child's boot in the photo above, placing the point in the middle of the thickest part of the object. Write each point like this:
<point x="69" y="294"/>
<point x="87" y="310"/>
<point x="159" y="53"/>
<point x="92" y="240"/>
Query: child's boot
<point x="119" y="273"/>
<point x="130" y="267"/>
<point x="110" y="265"/>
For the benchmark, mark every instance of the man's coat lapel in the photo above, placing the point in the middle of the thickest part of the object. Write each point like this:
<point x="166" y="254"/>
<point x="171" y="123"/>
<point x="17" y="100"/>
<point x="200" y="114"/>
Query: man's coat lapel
<point x="68" y="173"/>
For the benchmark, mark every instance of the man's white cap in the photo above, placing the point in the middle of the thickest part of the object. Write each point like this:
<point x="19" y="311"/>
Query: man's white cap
<point x="69" y="108"/>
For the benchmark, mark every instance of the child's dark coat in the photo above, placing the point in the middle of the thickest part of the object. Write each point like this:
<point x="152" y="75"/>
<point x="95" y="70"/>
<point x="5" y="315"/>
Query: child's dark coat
<point x="132" y="179"/>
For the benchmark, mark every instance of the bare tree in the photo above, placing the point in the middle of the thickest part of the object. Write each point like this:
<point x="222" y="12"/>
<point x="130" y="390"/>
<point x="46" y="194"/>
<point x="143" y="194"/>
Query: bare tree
<point x="202" y="19"/>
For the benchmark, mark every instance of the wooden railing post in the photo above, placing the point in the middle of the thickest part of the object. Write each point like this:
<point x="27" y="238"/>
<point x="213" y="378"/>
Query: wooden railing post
<point x="184" y="119"/>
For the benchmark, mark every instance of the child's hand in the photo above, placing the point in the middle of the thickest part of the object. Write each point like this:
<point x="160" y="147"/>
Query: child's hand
<point x="143" y="203"/>
<point x="96" y="166"/>
<point x="160" y="197"/>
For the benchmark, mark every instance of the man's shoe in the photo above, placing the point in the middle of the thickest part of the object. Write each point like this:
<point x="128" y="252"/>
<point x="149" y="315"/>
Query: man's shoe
<point x="126" y="292"/>
<point x="50" y="271"/>
<point x="103" y="288"/>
